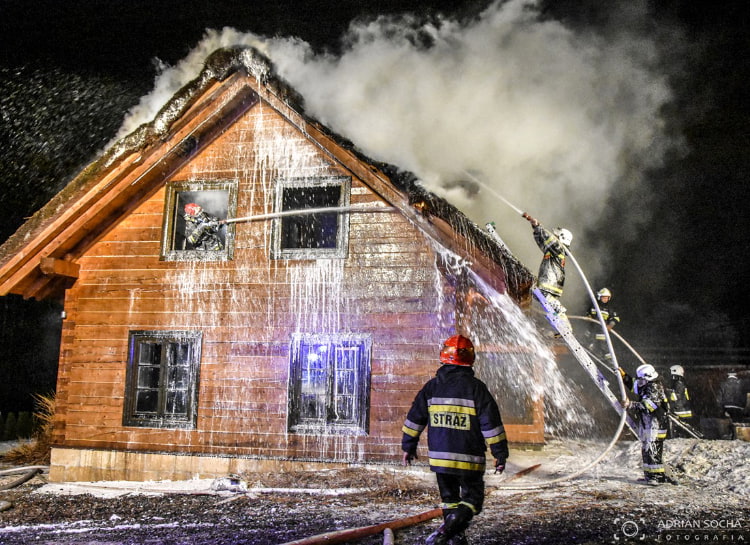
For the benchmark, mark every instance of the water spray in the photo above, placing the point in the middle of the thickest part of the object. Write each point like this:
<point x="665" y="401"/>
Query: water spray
<point x="310" y="211"/>
<point x="495" y="193"/>
<point x="623" y="392"/>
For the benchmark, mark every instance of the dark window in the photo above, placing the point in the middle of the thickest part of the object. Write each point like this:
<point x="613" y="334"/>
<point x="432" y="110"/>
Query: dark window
<point x="162" y="379"/>
<point x="193" y="221"/>
<point x="329" y="384"/>
<point x="315" y="233"/>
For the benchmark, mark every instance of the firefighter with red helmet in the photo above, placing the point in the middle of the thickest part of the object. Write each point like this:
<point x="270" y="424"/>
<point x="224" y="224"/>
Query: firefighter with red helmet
<point x="201" y="230"/>
<point x="652" y="409"/>
<point x="462" y="419"/>
<point x="551" y="277"/>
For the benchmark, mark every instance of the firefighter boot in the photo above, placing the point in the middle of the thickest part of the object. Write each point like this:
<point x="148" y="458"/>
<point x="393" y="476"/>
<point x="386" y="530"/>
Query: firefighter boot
<point x="451" y="532"/>
<point x="458" y="539"/>
<point x="456" y="521"/>
<point x="437" y="537"/>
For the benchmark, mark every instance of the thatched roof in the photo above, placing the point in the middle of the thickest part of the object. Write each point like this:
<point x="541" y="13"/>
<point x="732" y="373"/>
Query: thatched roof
<point x="220" y="67"/>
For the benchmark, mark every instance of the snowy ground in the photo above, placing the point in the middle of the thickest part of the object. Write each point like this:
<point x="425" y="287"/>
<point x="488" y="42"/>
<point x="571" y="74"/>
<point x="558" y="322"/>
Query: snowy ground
<point x="605" y="504"/>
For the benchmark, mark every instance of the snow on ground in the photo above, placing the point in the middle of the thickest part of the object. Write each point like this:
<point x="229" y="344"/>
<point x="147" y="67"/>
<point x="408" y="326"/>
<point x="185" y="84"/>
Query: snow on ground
<point x="604" y="504"/>
<point x="702" y="463"/>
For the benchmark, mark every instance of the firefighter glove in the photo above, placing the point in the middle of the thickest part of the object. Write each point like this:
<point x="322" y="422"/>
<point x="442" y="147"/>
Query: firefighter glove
<point x="499" y="466"/>
<point x="408" y="457"/>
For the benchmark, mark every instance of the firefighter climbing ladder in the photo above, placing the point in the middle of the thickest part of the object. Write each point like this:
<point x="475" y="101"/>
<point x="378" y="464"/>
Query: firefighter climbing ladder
<point x="561" y="324"/>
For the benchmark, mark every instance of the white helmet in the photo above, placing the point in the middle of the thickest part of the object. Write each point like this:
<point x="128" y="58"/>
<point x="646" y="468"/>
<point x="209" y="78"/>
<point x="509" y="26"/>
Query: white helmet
<point x="565" y="236"/>
<point x="677" y="370"/>
<point x="646" y="371"/>
<point x="604" y="292"/>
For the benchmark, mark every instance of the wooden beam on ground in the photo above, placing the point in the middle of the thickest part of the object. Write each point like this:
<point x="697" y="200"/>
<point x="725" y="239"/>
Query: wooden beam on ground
<point x="342" y="536"/>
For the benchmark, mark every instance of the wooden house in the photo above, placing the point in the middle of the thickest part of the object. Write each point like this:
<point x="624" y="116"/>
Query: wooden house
<point x="268" y="338"/>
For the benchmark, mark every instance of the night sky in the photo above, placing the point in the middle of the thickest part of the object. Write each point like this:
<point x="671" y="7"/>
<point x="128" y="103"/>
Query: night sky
<point x="69" y="71"/>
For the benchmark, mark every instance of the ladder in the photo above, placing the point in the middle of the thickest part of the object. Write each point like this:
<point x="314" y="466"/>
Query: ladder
<point x="559" y="321"/>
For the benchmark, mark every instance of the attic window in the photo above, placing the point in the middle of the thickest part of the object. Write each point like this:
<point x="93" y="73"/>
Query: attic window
<point x="193" y="214"/>
<point x="311" y="235"/>
<point x="329" y="384"/>
<point x="162" y="379"/>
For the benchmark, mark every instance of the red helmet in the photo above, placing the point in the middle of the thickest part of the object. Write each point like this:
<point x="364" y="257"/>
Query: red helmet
<point x="457" y="350"/>
<point x="193" y="209"/>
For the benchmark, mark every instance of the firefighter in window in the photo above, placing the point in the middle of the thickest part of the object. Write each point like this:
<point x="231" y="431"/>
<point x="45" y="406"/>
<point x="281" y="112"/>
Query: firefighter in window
<point x="201" y="229"/>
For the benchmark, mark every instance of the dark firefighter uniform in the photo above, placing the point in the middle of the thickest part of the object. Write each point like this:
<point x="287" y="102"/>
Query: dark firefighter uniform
<point x="679" y="399"/>
<point x="732" y="400"/>
<point x="201" y="230"/>
<point x="652" y="412"/>
<point x="463" y="419"/>
<point x="598" y="340"/>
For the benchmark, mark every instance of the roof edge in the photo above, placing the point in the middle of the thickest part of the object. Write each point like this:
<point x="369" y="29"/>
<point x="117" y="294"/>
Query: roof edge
<point x="219" y="66"/>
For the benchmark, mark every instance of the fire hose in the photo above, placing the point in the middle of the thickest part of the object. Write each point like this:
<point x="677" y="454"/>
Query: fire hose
<point x="343" y="536"/>
<point x="28" y="473"/>
<point x="621" y="384"/>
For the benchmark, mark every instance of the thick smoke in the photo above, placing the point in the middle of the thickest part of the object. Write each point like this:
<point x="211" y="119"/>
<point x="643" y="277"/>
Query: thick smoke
<point x="551" y="118"/>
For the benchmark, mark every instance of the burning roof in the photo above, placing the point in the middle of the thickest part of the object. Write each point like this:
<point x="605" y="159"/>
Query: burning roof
<point x="220" y="66"/>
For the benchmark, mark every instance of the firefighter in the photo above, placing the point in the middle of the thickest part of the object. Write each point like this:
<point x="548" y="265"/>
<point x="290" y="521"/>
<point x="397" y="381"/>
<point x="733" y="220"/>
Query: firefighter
<point x="652" y="415"/>
<point x="679" y="400"/>
<point x="462" y="419"/>
<point x="551" y="277"/>
<point x="732" y="400"/>
<point x="201" y="230"/>
<point x="598" y="344"/>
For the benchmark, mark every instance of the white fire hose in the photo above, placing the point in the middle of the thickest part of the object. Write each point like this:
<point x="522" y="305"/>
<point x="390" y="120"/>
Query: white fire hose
<point x="623" y="392"/>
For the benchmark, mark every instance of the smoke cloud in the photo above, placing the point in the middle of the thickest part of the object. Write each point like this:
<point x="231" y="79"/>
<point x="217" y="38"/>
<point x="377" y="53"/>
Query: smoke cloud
<point x="549" y="117"/>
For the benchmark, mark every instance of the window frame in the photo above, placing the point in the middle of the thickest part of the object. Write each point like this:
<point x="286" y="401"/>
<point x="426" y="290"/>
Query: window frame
<point x="359" y="423"/>
<point x="342" y="233"/>
<point x="161" y="419"/>
<point x="171" y="199"/>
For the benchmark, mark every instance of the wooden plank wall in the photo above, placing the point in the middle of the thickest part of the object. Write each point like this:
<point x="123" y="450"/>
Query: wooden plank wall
<point x="248" y="309"/>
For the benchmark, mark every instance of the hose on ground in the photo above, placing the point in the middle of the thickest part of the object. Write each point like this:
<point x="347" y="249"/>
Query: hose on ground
<point x="29" y="473"/>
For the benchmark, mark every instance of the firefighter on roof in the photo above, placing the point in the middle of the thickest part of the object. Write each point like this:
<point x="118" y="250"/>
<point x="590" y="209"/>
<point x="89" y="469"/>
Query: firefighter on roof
<point x="652" y="411"/>
<point x="551" y="277"/>
<point x="462" y="419"/>
<point x="201" y="230"/>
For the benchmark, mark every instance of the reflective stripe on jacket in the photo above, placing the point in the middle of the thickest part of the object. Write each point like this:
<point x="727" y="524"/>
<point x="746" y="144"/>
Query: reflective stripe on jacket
<point x="609" y="316"/>
<point x="463" y="419"/>
<point x="679" y="400"/>
<point x="551" y="276"/>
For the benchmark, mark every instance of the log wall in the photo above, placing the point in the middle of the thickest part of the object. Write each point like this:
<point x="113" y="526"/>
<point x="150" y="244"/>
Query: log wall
<point x="248" y="308"/>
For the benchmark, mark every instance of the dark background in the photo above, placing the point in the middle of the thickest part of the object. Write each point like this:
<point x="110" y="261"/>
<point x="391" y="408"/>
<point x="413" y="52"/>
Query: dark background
<point x="69" y="71"/>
